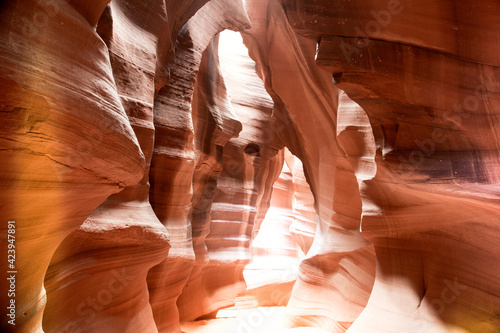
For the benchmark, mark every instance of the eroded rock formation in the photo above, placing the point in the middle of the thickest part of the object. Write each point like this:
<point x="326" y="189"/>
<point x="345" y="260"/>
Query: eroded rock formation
<point x="431" y="209"/>
<point x="174" y="157"/>
<point x="250" y="165"/>
<point x="215" y="123"/>
<point x="102" y="266"/>
<point x="275" y="249"/>
<point x="309" y="103"/>
<point x="303" y="227"/>
<point x="140" y="150"/>
<point x="420" y="134"/>
<point x="62" y="124"/>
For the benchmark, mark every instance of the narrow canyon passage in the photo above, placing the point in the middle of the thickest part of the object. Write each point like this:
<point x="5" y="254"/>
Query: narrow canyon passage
<point x="250" y="166"/>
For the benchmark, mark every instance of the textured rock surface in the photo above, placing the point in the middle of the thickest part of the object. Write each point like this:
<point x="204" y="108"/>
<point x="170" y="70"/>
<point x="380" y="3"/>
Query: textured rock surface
<point x="211" y="285"/>
<point x="250" y="165"/>
<point x="339" y="266"/>
<point x="214" y="123"/>
<point x="272" y="237"/>
<point x="427" y="78"/>
<point x="62" y="124"/>
<point x="140" y="164"/>
<point x="275" y="253"/>
<point x="174" y="159"/>
<point x="303" y="227"/>
<point x="251" y="161"/>
<point x="103" y="265"/>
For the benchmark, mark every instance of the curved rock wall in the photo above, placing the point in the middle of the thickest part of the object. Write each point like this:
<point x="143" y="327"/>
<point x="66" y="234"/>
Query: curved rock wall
<point x="210" y="285"/>
<point x="275" y="251"/>
<point x="174" y="157"/>
<point x="276" y="224"/>
<point x="110" y="248"/>
<point x="427" y="81"/>
<point x="139" y="155"/>
<point x="62" y="124"/>
<point x="250" y="165"/>
<point x="102" y="266"/>
<point x="251" y="162"/>
<point x="303" y="227"/>
<point x="340" y="264"/>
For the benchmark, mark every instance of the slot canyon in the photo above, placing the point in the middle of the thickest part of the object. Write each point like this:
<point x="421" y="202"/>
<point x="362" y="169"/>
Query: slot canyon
<point x="250" y="166"/>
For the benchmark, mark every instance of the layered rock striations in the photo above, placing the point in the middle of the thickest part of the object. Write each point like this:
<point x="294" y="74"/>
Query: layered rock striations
<point x="174" y="155"/>
<point x="63" y="123"/>
<point x="340" y="264"/>
<point x="102" y="266"/>
<point x="250" y="165"/>
<point x="303" y="227"/>
<point x="426" y="77"/>
<point x="276" y="224"/>
<point x="140" y="150"/>
<point x="252" y="162"/>
<point x="96" y="258"/>
<point x="275" y="252"/>
<point x="215" y="123"/>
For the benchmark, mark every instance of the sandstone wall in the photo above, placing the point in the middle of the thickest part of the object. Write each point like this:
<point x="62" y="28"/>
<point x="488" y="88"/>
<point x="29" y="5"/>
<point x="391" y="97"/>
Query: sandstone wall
<point x="139" y="149"/>
<point x="250" y="165"/>
<point x="427" y="82"/>
<point x="62" y="124"/>
<point x="339" y="266"/>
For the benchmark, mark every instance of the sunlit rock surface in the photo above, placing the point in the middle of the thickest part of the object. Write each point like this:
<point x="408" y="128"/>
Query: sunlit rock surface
<point x="139" y="151"/>
<point x="250" y="165"/>
<point x="211" y="285"/>
<point x="426" y="74"/>
<point x="102" y="266"/>
<point x="174" y="157"/>
<point x="274" y="251"/>
<point x="251" y="162"/>
<point x="340" y="265"/>
<point x="303" y="227"/>
<point x="62" y="126"/>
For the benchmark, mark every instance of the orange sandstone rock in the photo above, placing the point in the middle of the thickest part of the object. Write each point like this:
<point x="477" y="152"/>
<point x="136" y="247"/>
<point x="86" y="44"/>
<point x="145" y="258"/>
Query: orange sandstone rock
<point x="62" y="126"/>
